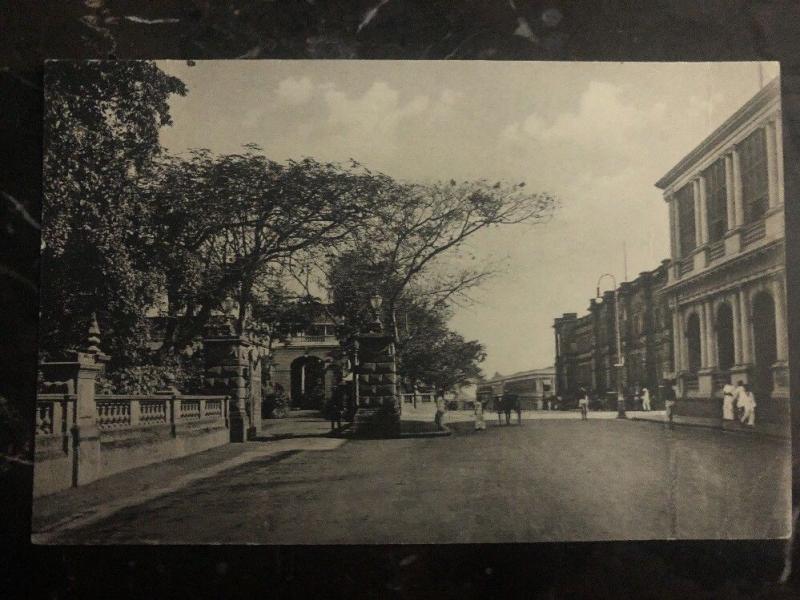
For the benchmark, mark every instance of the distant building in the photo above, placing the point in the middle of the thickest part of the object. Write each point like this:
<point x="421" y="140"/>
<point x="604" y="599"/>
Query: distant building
<point x="585" y="347"/>
<point x="726" y="287"/>
<point x="532" y="387"/>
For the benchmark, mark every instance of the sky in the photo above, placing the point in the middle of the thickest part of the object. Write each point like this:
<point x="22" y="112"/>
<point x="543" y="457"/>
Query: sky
<point x="596" y="135"/>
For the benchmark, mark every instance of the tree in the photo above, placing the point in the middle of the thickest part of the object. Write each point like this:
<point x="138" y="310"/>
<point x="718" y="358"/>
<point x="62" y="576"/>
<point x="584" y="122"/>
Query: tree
<point x="228" y="222"/>
<point x="101" y="135"/>
<point x="405" y="240"/>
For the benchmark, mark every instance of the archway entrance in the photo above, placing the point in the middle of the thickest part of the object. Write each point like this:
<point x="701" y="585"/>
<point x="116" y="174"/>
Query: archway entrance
<point x="764" y="343"/>
<point x="725" y="351"/>
<point x="308" y="382"/>
<point x="693" y="342"/>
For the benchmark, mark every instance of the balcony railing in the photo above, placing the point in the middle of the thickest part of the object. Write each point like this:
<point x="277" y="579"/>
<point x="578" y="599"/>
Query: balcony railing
<point x="685" y="266"/>
<point x="754" y="232"/>
<point x="691" y="381"/>
<point x="715" y="251"/>
<point x="320" y="340"/>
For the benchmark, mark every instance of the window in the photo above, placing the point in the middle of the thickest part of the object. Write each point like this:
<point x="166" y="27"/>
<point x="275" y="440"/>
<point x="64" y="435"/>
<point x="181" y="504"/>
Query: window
<point x="686" y="232"/>
<point x="753" y="163"/>
<point x="716" y="200"/>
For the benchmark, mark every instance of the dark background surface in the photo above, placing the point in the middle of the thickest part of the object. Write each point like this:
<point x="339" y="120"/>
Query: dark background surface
<point x="400" y="29"/>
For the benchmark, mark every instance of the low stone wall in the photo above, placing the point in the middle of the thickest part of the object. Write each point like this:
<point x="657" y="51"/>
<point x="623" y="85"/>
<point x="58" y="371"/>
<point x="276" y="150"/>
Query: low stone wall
<point x="132" y="431"/>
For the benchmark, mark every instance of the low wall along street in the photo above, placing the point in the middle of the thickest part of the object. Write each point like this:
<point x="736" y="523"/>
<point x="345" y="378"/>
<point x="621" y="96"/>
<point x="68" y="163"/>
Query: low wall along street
<point x="133" y="431"/>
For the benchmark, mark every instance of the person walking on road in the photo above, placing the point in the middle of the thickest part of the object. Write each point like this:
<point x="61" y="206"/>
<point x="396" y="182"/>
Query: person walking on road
<point x="583" y="404"/>
<point x="669" y="402"/>
<point x="518" y="409"/>
<point x="507" y="405"/>
<point x="438" y="419"/>
<point x="646" y="399"/>
<point x="336" y="408"/>
<point x="480" y="421"/>
<point x="737" y="405"/>
<point x="747" y="401"/>
<point x="728" y="394"/>
<point x="498" y="407"/>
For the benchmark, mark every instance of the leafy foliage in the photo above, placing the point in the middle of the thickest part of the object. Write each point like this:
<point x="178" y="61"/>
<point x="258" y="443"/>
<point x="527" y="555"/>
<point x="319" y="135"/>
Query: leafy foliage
<point x="101" y="133"/>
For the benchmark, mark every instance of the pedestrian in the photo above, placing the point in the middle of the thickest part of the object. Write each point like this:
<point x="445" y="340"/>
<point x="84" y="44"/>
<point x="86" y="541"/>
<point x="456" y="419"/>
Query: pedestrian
<point x="498" y="407"/>
<point x="583" y="404"/>
<point x="438" y="419"/>
<point x="747" y="401"/>
<point x="728" y="395"/>
<point x="738" y="393"/>
<point x="480" y="422"/>
<point x="336" y="408"/>
<point x="518" y="409"/>
<point x="669" y="401"/>
<point x="646" y="399"/>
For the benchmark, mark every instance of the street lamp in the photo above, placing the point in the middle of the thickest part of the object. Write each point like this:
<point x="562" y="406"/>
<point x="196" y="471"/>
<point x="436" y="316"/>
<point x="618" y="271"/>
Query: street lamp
<point x="620" y="359"/>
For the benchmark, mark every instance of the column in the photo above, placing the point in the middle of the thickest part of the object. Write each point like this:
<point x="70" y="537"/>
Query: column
<point x="673" y="228"/>
<point x="703" y="337"/>
<point x="737" y="189"/>
<point x="711" y="344"/>
<point x="781" y="332"/>
<point x="698" y="213"/>
<point x="744" y="315"/>
<point x="676" y="342"/>
<point x="729" y="193"/>
<point x="701" y="188"/>
<point x="772" y="163"/>
<point x="682" y="339"/>
<point x="737" y="326"/>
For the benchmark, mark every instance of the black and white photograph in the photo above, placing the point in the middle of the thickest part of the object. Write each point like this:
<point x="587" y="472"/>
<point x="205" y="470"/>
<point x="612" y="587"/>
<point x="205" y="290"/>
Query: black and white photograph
<point x="411" y="302"/>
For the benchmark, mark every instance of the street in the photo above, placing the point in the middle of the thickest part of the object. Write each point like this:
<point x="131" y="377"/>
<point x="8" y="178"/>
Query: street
<point x="547" y="480"/>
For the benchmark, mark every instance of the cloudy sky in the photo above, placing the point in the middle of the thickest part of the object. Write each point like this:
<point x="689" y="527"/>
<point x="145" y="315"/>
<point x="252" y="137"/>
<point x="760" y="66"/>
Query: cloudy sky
<point x="597" y="135"/>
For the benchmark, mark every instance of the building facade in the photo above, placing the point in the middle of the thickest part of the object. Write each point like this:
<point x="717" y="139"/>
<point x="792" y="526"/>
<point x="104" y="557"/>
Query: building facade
<point x="586" y="346"/>
<point x="726" y="288"/>
<point x="531" y="387"/>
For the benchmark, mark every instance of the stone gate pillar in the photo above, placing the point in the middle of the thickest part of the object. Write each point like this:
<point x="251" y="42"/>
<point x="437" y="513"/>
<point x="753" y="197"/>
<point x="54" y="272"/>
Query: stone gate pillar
<point x="377" y="402"/>
<point x="232" y="370"/>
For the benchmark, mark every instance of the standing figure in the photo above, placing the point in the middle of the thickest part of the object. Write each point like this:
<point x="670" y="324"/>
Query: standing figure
<point x="738" y="392"/>
<point x="747" y="402"/>
<point x="728" y="394"/>
<point x="583" y="404"/>
<point x="518" y="409"/>
<point x="336" y="407"/>
<point x="646" y="399"/>
<point x="480" y="422"/>
<point x="438" y="419"/>
<point x="669" y="401"/>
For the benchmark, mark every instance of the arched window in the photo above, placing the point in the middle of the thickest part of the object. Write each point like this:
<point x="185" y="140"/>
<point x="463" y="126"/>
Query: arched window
<point x="693" y="342"/>
<point x="764" y="342"/>
<point x="725" y="350"/>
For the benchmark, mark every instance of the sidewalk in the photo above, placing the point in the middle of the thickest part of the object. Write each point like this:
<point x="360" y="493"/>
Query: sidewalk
<point x="77" y="507"/>
<point x="659" y="416"/>
<point x="298" y="424"/>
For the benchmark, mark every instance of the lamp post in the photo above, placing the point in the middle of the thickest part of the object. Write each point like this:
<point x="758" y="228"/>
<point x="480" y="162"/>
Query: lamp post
<point x="620" y="358"/>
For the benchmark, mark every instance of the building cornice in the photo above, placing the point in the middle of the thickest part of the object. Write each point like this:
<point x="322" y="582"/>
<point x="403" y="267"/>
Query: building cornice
<point x="740" y="118"/>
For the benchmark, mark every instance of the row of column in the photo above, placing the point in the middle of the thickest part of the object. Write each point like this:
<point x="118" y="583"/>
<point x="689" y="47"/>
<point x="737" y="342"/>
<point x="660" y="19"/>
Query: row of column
<point x="733" y="187"/>
<point x="740" y="301"/>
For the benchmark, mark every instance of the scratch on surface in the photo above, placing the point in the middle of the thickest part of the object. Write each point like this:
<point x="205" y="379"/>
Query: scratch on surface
<point x="370" y="15"/>
<point x="144" y="21"/>
<point x="787" y="558"/>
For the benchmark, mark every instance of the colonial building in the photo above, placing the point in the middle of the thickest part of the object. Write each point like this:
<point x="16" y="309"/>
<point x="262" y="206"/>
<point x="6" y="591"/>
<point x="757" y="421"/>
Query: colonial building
<point x="531" y="387"/>
<point x="726" y="285"/>
<point x="586" y="348"/>
<point x="305" y="365"/>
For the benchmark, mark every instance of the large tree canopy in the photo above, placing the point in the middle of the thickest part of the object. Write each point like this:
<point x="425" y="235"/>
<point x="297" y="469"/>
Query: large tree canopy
<point x="101" y="134"/>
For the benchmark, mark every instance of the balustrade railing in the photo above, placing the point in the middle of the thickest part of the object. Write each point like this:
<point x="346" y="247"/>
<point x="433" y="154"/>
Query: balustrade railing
<point x="56" y="412"/>
<point x="691" y="381"/>
<point x="685" y="266"/>
<point x="409" y="398"/>
<point x="715" y="251"/>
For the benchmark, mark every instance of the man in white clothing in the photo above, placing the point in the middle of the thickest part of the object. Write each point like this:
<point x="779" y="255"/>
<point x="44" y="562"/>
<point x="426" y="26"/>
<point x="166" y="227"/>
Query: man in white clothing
<point x="728" y="393"/>
<point x="748" y="403"/>
<point x="646" y="399"/>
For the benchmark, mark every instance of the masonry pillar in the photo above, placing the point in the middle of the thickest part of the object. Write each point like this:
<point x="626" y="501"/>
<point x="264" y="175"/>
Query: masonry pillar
<point x="377" y="402"/>
<point x="698" y="213"/>
<point x="676" y="342"/>
<point x="730" y="203"/>
<point x="701" y="191"/>
<point x="705" y="376"/>
<point x="737" y="334"/>
<point x="229" y="370"/>
<point x="76" y="376"/>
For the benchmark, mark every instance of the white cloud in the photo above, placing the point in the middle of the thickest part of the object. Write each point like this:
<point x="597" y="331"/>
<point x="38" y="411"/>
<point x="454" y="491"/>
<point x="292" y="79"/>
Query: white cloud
<point x="295" y="90"/>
